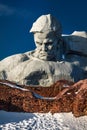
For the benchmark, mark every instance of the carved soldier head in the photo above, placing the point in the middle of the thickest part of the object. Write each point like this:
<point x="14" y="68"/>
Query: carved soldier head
<point x="47" y="34"/>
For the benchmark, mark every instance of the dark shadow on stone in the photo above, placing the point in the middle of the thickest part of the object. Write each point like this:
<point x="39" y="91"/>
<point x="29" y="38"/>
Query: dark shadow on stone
<point x="8" y="106"/>
<point x="77" y="73"/>
<point x="34" y="77"/>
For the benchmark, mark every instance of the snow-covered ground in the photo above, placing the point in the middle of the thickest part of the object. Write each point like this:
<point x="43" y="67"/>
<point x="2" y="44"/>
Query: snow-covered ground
<point x="39" y="121"/>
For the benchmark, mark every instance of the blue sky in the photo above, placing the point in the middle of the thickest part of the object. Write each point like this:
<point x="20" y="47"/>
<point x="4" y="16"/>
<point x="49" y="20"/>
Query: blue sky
<point x="17" y="16"/>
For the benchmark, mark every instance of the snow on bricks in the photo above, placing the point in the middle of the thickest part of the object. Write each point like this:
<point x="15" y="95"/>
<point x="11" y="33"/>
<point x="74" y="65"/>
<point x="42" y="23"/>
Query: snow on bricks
<point x="62" y="96"/>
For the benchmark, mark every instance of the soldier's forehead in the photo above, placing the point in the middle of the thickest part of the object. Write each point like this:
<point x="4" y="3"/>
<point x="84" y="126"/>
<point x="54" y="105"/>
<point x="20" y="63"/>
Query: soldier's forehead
<point x="45" y="35"/>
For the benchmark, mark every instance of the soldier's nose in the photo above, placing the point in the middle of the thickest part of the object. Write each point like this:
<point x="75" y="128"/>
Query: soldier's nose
<point x="44" y="48"/>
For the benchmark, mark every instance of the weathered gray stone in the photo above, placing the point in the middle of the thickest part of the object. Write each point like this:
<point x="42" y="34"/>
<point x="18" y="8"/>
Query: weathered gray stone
<point x="47" y="23"/>
<point x="55" y="57"/>
<point x="77" y="41"/>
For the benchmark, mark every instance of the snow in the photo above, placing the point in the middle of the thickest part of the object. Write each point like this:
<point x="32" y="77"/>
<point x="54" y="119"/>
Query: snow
<point x="14" y="86"/>
<point x="39" y="121"/>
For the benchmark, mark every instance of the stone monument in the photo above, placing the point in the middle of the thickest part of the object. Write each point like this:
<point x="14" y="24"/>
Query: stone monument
<point x="56" y="56"/>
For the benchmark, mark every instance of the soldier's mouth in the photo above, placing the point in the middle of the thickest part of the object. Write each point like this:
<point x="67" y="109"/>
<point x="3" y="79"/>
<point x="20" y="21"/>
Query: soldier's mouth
<point x="45" y="55"/>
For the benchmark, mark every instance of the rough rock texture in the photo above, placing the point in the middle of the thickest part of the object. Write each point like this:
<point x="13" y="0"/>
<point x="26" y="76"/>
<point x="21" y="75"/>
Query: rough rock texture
<point x="34" y="71"/>
<point x="63" y="96"/>
<point x="77" y="41"/>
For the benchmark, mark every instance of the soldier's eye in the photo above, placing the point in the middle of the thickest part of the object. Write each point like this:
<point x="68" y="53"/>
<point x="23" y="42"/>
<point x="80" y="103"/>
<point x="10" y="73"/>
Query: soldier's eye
<point x="49" y="43"/>
<point x="39" y="43"/>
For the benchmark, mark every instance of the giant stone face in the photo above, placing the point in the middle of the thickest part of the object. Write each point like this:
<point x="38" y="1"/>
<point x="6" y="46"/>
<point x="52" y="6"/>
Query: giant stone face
<point x="46" y="45"/>
<point x="47" y="32"/>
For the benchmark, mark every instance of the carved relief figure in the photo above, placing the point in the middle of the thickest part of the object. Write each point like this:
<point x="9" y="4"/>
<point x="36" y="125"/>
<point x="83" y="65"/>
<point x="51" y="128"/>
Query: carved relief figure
<point x="54" y="57"/>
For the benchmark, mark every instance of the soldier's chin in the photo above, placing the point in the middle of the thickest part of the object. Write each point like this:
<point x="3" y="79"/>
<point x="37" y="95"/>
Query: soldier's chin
<point x="45" y="57"/>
